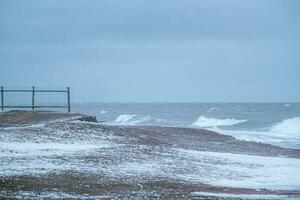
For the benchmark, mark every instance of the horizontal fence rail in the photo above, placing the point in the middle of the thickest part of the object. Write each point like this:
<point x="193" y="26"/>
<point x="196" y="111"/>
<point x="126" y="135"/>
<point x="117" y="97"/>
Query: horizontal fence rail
<point x="33" y="104"/>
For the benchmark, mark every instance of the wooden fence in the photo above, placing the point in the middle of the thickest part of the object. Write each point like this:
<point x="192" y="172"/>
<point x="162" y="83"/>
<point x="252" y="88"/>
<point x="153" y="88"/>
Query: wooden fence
<point x="33" y="104"/>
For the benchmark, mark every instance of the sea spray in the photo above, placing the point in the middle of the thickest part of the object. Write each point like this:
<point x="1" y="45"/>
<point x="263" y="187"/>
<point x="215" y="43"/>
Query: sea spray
<point x="288" y="128"/>
<point x="131" y="119"/>
<point x="214" y="122"/>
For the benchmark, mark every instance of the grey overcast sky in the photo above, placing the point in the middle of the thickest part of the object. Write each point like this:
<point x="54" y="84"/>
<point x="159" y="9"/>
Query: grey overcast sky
<point x="154" y="50"/>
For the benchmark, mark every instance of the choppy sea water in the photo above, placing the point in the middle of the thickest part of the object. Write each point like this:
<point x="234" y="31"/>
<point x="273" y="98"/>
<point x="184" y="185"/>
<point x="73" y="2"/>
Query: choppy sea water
<point x="274" y="123"/>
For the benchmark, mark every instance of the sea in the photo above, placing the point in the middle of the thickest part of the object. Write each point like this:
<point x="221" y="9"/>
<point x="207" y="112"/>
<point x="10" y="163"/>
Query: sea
<point x="272" y="123"/>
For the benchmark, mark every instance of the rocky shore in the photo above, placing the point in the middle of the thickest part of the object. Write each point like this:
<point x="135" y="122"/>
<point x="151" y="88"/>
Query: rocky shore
<point x="61" y="155"/>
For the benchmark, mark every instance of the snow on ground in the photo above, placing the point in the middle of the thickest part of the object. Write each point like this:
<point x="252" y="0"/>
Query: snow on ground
<point x="247" y="171"/>
<point x="239" y="196"/>
<point x="77" y="147"/>
<point x="56" y="195"/>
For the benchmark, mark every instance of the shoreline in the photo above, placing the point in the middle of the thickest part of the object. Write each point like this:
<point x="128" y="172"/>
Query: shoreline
<point x="128" y="161"/>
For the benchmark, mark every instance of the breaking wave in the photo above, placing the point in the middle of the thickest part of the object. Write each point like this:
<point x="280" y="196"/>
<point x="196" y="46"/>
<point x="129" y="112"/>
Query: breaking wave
<point x="132" y="119"/>
<point x="284" y="134"/>
<point x="214" y="122"/>
<point x="213" y="109"/>
<point x="102" y="112"/>
<point x="288" y="127"/>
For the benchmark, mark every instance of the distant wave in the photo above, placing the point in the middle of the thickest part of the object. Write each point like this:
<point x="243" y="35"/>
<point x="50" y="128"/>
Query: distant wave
<point x="102" y="112"/>
<point x="288" y="127"/>
<point x="132" y="119"/>
<point x="213" y="109"/>
<point x="214" y="122"/>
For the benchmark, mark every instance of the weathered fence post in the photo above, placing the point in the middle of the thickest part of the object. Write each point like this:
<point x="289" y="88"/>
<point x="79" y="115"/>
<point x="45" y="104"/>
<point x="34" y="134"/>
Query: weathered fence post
<point x="2" y="98"/>
<point x="33" y="91"/>
<point x="69" y="103"/>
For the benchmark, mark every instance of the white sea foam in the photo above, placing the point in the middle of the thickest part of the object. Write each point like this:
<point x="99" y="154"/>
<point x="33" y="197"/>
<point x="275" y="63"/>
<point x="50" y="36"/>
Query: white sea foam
<point x="214" y="122"/>
<point x="269" y="137"/>
<point x="287" y="128"/>
<point x="132" y="119"/>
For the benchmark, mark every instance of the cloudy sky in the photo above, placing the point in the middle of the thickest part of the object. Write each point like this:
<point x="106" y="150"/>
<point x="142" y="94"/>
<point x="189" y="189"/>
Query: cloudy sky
<point x="154" y="50"/>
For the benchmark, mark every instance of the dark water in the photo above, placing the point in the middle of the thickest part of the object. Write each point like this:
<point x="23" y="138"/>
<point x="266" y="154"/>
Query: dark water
<point x="275" y="123"/>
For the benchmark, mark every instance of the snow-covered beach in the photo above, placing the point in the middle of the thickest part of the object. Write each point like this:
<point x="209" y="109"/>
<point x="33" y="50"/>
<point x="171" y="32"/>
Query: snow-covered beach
<point x="57" y="155"/>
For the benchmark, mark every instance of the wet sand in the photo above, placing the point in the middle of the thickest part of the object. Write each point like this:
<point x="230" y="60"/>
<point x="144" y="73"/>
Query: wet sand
<point x="61" y="155"/>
